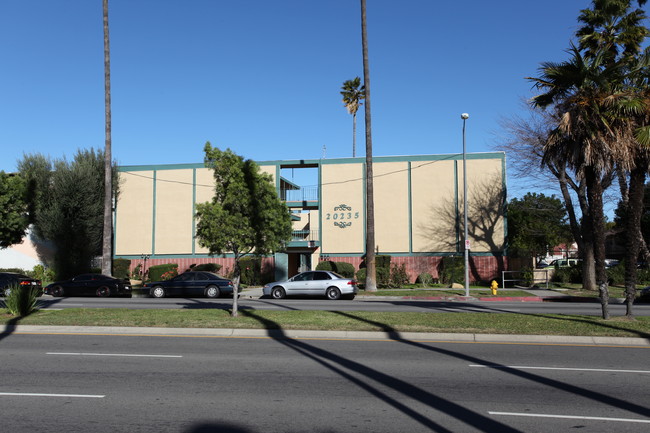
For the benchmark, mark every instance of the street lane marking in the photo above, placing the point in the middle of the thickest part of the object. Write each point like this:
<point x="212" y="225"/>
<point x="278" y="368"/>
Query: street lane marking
<point x="33" y="394"/>
<point x="593" y="418"/>
<point x="113" y="354"/>
<point x="523" y="367"/>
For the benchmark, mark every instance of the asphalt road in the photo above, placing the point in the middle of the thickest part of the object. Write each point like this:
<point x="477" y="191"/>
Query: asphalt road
<point x="359" y="304"/>
<point x="113" y="383"/>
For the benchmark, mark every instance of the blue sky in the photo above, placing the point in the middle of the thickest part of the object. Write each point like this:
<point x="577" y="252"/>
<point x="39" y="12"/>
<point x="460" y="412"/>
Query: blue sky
<point x="263" y="77"/>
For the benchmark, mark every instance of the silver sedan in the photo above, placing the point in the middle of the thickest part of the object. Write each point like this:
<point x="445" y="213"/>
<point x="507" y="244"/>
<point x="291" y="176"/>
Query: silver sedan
<point x="317" y="283"/>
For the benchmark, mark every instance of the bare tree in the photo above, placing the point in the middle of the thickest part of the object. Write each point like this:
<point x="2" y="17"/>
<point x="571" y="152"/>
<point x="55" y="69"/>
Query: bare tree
<point x="524" y="143"/>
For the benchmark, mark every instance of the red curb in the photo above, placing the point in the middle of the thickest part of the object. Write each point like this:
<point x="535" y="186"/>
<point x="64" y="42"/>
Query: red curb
<point x="513" y="299"/>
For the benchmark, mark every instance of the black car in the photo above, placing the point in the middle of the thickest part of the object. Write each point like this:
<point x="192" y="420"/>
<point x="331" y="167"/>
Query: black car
<point x="191" y="284"/>
<point x="90" y="285"/>
<point x="13" y="279"/>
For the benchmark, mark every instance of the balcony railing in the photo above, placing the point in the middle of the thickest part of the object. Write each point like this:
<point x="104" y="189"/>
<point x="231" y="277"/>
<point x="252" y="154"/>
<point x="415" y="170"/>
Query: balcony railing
<point x="309" y="193"/>
<point x="304" y="235"/>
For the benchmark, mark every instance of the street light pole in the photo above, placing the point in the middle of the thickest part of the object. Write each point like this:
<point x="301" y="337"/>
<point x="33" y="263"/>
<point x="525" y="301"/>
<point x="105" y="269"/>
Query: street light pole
<point x="465" y="116"/>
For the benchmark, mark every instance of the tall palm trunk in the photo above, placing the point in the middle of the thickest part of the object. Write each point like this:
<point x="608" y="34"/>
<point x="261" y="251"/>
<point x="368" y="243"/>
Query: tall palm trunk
<point x="632" y="230"/>
<point x="596" y="216"/>
<point x="107" y="242"/>
<point x="371" y="274"/>
<point x="354" y="135"/>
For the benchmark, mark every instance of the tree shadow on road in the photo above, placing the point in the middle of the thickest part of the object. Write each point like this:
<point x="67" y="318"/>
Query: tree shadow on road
<point x="351" y="371"/>
<point x="563" y="386"/>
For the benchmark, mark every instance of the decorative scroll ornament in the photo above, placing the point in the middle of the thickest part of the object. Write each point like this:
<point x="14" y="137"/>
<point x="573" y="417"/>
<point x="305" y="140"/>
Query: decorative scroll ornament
<point x="342" y="207"/>
<point x="342" y="224"/>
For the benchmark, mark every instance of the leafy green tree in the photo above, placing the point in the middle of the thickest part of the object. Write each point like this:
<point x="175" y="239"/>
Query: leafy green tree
<point x="66" y="207"/>
<point x="245" y="216"/>
<point x="535" y="223"/>
<point x="13" y="210"/>
<point x="353" y="93"/>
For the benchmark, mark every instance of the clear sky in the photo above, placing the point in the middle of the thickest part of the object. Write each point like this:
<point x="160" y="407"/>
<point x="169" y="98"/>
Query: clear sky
<point x="263" y="77"/>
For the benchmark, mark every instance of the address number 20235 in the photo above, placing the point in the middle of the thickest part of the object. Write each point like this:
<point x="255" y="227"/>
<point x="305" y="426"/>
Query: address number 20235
<point x="341" y="216"/>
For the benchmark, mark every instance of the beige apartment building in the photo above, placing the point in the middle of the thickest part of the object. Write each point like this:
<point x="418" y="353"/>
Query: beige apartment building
<point x="418" y="212"/>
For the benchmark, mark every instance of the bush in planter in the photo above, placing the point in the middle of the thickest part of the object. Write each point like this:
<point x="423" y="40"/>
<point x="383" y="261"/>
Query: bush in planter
<point x="121" y="268"/>
<point x="344" y="269"/>
<point x="325" y="265"/>
<point x="207" y="267"/>
<point x="156" y="271"/>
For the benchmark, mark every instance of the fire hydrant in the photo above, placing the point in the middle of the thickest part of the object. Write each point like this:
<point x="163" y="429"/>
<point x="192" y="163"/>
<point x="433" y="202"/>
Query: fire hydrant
<point x="494" y="286"/>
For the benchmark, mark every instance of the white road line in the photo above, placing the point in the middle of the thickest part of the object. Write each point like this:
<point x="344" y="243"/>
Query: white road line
<point x="594" y="418"/>
<point x="113" y="354"/>
<point x="32" y="394"/>
<point x="523" y="367"/>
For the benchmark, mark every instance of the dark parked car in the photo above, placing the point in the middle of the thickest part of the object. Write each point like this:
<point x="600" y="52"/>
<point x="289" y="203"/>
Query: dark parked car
<point x="12" y="279"/>
<point x="191" y="284"/>
<point x="644" y="295"/>
<point x="90" y="285"/>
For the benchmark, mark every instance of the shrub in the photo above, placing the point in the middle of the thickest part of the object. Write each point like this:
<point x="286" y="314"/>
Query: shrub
<point x="382" y="262"/>
<point x="21" y="301"/>
<point x="383" y="277"/>
<point x="325" y="265"/>
<point x="425" y="278"/>
<point x="44" y="274"/>
<point x="398" y="276"/>
<point x="361" y="276"/>
<point x="344" y="269"/>
<point x="207" y="267"/>
<point x="156" y="271"/>
<point x="169" y="275"/>
<point x="452" y="270"/>
<point x="616" y="274"/>
<point x="527" y="277"/>
<point x="121" y="268"/>
<point x="251" y="271"/>
<point x="136" y="274"/>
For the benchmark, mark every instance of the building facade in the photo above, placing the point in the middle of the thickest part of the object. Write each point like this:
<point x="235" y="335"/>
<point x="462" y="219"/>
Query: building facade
<point x="418" y="212"/>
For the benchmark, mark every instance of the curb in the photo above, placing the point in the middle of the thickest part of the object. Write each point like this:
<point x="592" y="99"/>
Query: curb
<point x="281" y="334"/>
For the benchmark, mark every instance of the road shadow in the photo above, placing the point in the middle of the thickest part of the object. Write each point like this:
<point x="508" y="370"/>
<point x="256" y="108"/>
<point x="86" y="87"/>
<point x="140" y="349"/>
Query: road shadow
<point x="350" y="370"/>
<point x="562" y="386"/>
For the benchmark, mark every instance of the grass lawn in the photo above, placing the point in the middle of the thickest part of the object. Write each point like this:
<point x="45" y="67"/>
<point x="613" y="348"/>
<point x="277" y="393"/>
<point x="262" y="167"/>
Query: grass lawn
<point x="498" y="323"/>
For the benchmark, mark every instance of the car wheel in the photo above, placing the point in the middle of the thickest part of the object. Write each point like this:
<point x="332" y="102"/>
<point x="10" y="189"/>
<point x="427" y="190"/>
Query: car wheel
<point x="212" y="292"/>
<point x="158" y="292"/>
<point x="333" y="293"/>
<point x="57" y="291"/>
<point x="278" y="293"/>
<point x="103" y="292"/>
<point x="7" y="292"/>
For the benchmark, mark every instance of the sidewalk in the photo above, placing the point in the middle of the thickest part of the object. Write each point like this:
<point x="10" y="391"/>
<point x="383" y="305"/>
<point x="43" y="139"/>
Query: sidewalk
<point x="536" y="295"/>
<point x="282" y="334"/>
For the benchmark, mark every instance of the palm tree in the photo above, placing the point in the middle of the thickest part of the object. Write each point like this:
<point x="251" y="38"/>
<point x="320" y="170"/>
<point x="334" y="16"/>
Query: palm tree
<point x="615" y="30"/>
<point x="371" y="273"/>
<point x="107" y="242"/>
<point x="352" y="97"/>
<point x="584" y="92"/>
